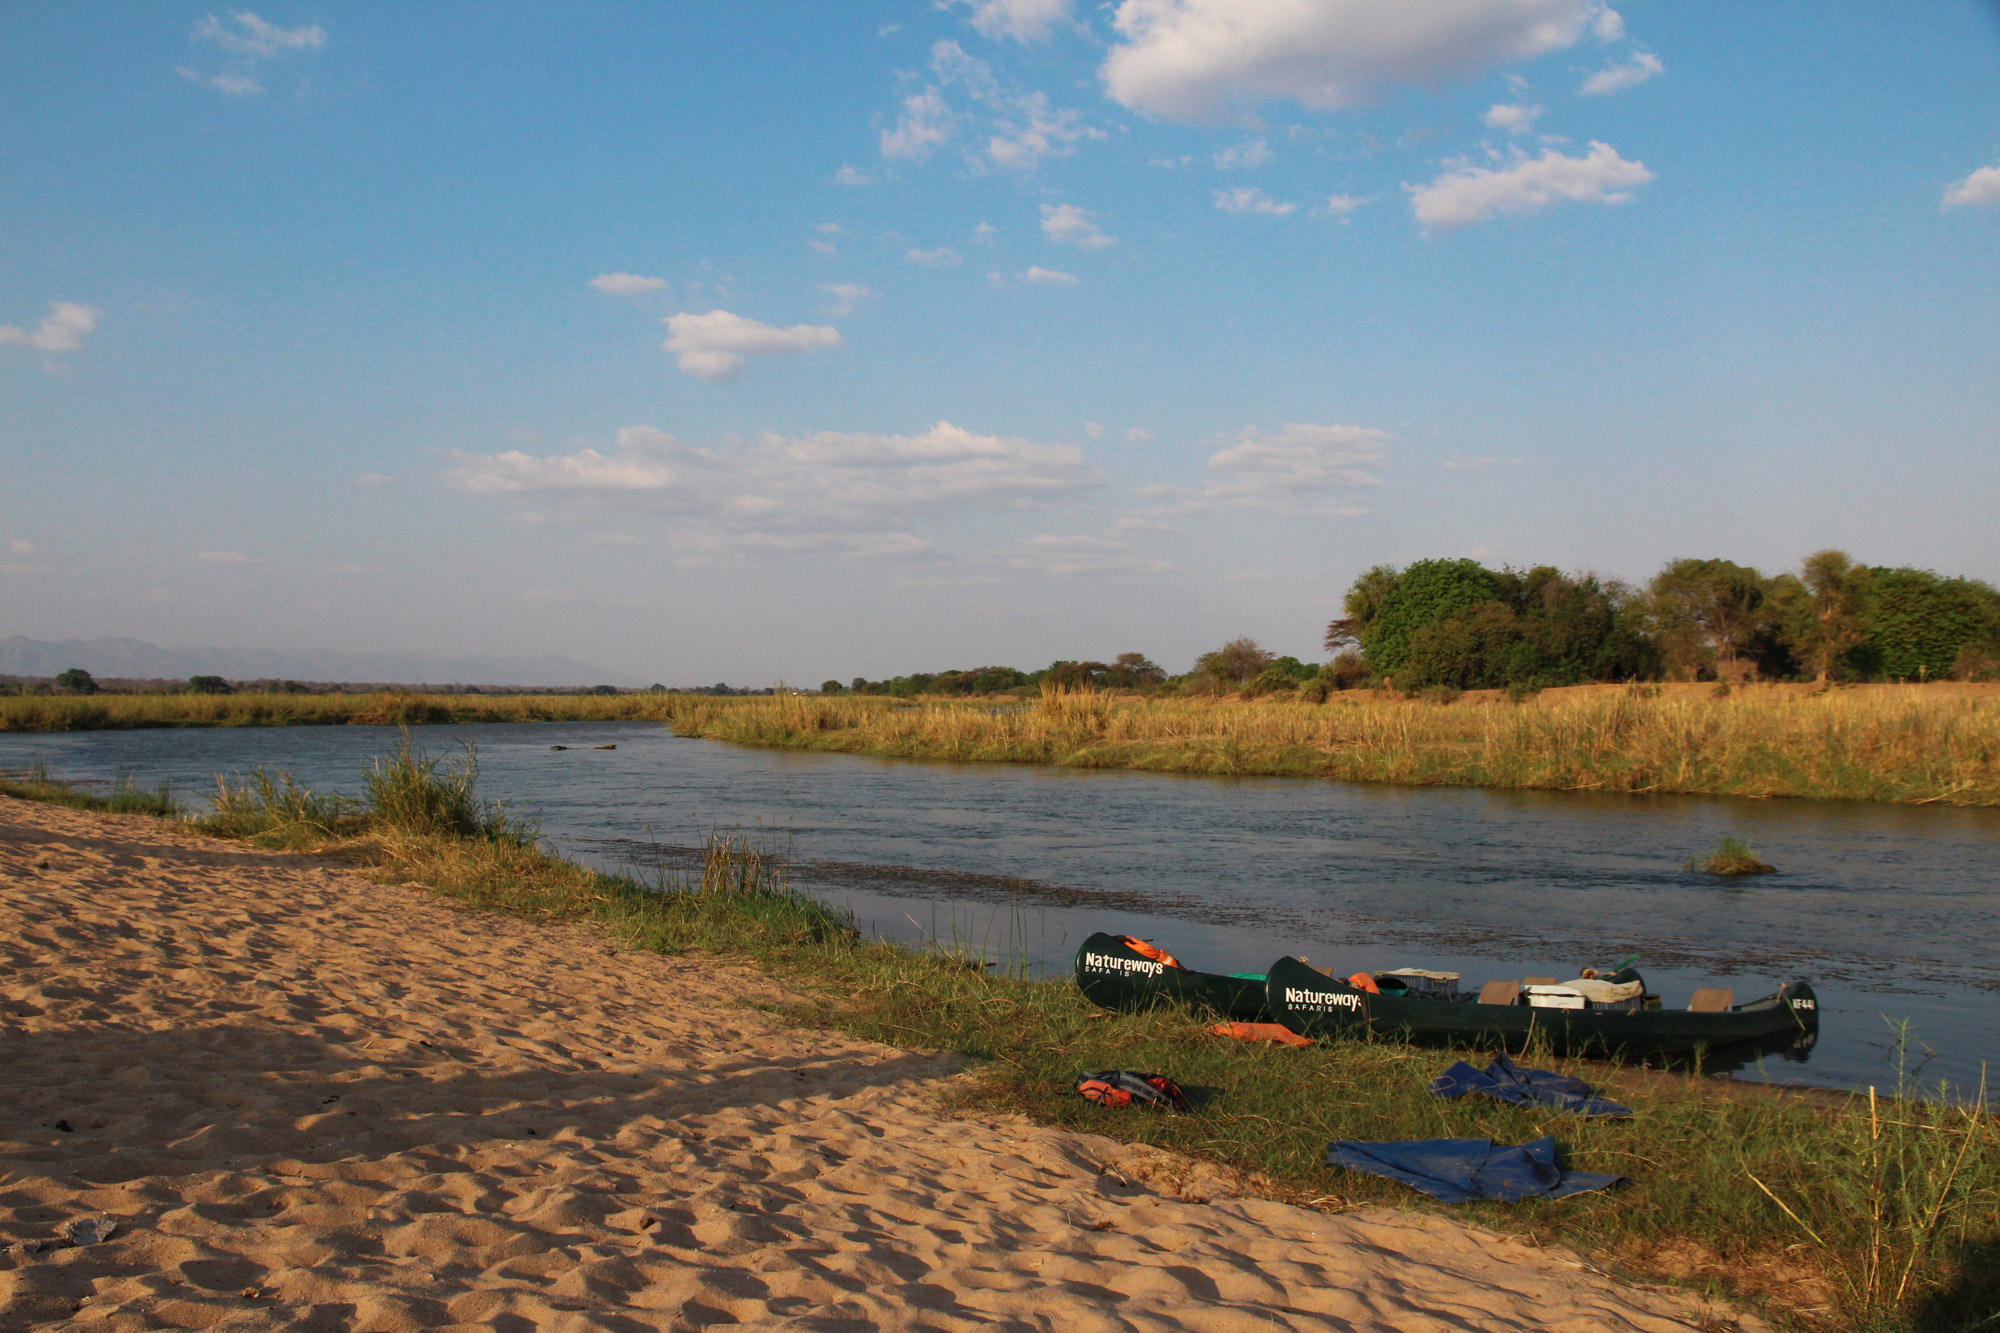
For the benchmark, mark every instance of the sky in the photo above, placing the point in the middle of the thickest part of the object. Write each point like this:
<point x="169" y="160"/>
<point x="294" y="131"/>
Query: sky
<point x="783" y="341"/>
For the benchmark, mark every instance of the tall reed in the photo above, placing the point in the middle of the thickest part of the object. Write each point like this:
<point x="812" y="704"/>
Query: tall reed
<point x="1877" y="743"/>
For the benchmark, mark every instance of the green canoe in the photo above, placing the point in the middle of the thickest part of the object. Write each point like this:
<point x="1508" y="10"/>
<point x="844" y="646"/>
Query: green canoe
<point x="1112" y="973"/>
<point x="1314" y="1004"/>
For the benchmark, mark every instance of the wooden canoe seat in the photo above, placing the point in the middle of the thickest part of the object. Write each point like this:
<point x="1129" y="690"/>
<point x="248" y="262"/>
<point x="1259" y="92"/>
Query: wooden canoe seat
<point x="1712" y="1000"/>
<point x="1500" y="992"/>
<point x="1540" y="981"/>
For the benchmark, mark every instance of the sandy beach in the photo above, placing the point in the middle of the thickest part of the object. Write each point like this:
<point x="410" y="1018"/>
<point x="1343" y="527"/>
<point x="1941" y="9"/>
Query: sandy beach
<point x="310" y="1101"/>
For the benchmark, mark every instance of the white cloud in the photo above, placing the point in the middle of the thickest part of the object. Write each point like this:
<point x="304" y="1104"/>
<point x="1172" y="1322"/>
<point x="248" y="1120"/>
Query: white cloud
<point x="1049" y="277"/>
<point x="1022" y="20"/>
<point x="20" y="548"/>
<point x="1342" y="205"/>
<point x="1025" y="128"/>
<point x="627" y="284"/>
<point x="1616" y="78"/>
<point x="1249" y="199"/>
<point x="826" y="248"/>
<point x="253" y="37"/>
<point x="857" y="494"/>
<point x="1094" y="429"/>
<point x="1249" y="153"/>
<point x="849" y="176"/>
<point x="847" y="295"/>
<point x="249" y="41"/>
<point x="1032" y="130"/>
<point x="1204" y="60"/>
<point x="63" y="329"/>
<point x="993" y="279"/>
<point x="1069" y="225"/>
<point x="712" y="346"/>
<point x="1513" y="117"/>
<point x="226" y="83"/>
<point x="1608" y="26"/>
<point x="1478" y="464"/>
<point x="1139" y="435"/>
<point x="224" y="558"/>
<point x="925" y="123"/>
<point x="374" y="481"/>
<point x="942" y="257"/>
<point x="1981" y="189"/>
<point x="1474" y="194"/>
<point x="983" y="233"/>
<point x="1299" y="469"/>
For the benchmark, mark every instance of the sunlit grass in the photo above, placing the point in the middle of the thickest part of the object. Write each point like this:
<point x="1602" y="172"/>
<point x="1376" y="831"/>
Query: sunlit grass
<point x="1875" y="743"/>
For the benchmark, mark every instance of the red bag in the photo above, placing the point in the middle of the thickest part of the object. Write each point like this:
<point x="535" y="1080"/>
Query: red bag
<point x="1125" y="1087"/>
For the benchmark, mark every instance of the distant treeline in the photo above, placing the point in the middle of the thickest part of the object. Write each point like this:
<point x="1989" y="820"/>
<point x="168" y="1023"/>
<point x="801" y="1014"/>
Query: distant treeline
<point x="1460" y="625"/>
<point x="77" y="681"/>
<point x="1457" y="625"/>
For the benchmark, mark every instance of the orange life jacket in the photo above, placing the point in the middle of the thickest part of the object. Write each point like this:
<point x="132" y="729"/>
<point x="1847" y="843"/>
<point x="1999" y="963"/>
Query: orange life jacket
<point x="1261" y="1032"/>
<point x="1362" y="981"/>
<point x="1152" y="951"/>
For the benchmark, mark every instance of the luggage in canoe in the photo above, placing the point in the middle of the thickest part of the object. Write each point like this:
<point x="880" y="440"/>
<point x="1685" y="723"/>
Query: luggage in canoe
<point x="1121" y="972"/>
<point x="1508" y="1014"/>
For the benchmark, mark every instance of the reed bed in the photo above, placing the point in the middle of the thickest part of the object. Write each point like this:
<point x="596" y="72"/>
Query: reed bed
<point x="1883" y="743"/>
<point x="115" y="712"/>
<point x="1864" y="1212"/>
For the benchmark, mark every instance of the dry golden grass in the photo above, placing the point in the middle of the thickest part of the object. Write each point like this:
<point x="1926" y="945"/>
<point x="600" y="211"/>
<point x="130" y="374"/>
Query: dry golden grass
<point x="1887" y="743"/>
<point x="102" y="712"/>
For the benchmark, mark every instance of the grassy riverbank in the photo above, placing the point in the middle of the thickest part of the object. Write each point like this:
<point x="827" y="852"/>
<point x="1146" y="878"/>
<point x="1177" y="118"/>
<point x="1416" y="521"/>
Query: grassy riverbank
<point x="125" y="712"/>
<point x="1932" y="743"/>
<point x="1882" y="743"/>
<point x="1831" y="1212"/>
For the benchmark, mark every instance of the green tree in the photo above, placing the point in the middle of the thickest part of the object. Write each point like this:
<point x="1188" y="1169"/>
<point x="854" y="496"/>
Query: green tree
<point x="1722" y="601"/>
<point x="1233" y="665"/>
<point x="76" y="681"/>
<point x="1823" y="613"/>
<point x="1133" y="671"/>
<point x="209" y="685"/>
<point x="1918" y="622"/>
<point x="832" y="687"/>
<point x="1385" y="608"/>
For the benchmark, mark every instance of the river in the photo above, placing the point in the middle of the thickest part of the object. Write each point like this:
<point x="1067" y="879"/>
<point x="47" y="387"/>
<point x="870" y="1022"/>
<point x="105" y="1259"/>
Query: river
<point x="1893" y="912"/>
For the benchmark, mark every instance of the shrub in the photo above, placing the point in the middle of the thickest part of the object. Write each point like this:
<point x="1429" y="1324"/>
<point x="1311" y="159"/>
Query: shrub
<point x="414" y="793"/>
<point x="1345" y="672"/>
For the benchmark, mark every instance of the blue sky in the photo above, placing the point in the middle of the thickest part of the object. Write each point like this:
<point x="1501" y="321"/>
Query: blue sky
<point x="789" y="341"/>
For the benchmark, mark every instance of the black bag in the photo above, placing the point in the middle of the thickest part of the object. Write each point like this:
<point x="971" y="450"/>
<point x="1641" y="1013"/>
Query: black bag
<point x="1125" y="1087"/>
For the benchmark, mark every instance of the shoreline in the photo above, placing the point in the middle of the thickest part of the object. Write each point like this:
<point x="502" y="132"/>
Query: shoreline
<point x="298" y="1090"/>
<point x="1903" y="744"/>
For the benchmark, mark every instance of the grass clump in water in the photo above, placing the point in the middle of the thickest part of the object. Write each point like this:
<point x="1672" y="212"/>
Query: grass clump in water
<point x="1732" y="856"/>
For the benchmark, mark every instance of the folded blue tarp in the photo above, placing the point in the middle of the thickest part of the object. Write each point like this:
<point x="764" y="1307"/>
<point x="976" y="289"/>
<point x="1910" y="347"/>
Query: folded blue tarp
<point x="1505" y="1081"/>
<point x="1461" y="1170"/>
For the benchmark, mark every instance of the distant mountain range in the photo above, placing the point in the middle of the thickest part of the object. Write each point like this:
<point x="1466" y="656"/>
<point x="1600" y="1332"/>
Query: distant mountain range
<point x="134" y="659"/>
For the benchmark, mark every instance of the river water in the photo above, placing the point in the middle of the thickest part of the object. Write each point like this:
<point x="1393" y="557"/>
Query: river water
<point x="1893" y="912"/>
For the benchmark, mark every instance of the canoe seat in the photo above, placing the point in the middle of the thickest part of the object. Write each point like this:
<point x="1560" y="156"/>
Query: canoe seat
<point x="1712" y="1000"/>
<point x="1500" y="992"/>
<point x="1538" y="981"/>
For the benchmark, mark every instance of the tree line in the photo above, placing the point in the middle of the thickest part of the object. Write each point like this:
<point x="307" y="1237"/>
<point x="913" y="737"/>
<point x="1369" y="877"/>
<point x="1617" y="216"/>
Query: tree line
<point x="1458" y="625"/>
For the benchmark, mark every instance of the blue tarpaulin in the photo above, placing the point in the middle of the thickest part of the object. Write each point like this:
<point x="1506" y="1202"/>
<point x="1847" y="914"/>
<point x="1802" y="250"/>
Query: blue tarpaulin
<point x="1461" y="1170"/>
<point x="1505" y="1081"/>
